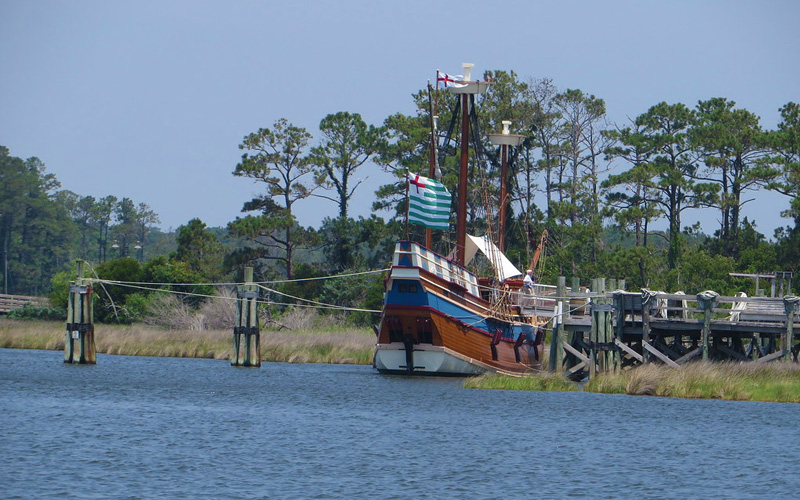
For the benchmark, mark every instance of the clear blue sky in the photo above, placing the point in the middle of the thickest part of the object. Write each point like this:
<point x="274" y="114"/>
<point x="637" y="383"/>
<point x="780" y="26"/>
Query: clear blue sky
<point x="150" y="99"/>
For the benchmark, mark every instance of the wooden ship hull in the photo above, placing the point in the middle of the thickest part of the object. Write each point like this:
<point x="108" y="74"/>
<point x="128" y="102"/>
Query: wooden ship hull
<point x="438" y="320"/>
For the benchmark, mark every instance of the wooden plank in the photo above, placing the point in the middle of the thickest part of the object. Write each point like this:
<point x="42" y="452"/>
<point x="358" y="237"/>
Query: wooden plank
<point x="668" y="351"/>
<point x="659" y="355"/>
<point x="576" y="352"/>
<point x="628" y="350"/>
<point x="11" y="302"/>
<point x="575" y="369"/>
<point x="730" y="352"/>
<point x="775" y="355"/>
<point x="689" y="355"/>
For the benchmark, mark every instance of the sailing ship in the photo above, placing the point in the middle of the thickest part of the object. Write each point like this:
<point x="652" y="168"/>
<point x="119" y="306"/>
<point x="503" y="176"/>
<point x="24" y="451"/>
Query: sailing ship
<point x="438" y="317"/>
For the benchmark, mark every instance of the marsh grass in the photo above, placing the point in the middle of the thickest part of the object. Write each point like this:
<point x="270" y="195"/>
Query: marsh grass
<point x="773" y="382"/>
<point x="543" y="381"/>
<point x="24" y="334"/>
<point x="777" y="382"/>
<point x="338" y="345"/>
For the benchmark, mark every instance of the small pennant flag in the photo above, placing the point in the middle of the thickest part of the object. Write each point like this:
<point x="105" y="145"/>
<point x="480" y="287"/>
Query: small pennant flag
<point x="429" y="203"/>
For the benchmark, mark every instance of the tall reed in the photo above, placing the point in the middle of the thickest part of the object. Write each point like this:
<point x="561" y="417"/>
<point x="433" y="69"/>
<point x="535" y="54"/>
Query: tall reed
<point x="339" y="346"/>
<point x="543" y="381"/>
<point x="775" y="382"/>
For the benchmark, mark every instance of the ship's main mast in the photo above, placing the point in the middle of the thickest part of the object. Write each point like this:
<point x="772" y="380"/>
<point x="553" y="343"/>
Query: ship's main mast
<point x="466" y="91"/>
<point x="505" y="139"/>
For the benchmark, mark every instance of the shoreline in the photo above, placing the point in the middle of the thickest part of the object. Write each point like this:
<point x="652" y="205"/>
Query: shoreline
<point x="776" y="382"/>
<point x="771" y="382"/>
<point x="344" y="346"/>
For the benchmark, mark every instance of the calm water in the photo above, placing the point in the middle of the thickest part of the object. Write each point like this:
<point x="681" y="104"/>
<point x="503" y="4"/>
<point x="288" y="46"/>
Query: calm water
<point x="133" y="427"/>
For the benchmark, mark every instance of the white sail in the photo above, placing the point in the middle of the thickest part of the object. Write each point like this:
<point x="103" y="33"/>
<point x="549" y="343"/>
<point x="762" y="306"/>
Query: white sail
<point x="502" y="266"/>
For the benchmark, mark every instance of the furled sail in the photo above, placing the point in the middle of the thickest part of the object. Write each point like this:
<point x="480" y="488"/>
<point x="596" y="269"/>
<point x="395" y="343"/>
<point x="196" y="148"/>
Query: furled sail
<point x="502" y="266"/>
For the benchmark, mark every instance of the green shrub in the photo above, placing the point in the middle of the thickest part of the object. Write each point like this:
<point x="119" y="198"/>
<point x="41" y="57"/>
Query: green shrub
<point x="136" y="306"/>
<point x="59" y="283"/>
<point x="39" y="313"/>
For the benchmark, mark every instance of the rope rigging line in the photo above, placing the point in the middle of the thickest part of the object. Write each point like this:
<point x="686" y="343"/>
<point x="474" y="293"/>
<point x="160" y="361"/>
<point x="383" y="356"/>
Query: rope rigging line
<point x="321" y="304"/>
<point x="156" y="287"/>
<point x="129" y="284"/>
<point x="327" y="277"/>
<point x="320" y="278"/>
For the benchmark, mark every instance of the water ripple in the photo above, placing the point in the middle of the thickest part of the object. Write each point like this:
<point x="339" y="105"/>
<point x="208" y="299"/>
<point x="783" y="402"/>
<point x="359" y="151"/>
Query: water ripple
<point x="180" y="428"/>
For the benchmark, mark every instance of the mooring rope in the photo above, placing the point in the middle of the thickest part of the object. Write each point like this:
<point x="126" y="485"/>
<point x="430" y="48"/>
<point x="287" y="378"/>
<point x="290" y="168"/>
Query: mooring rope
<point x="325" y="277"/>
<point x="318" y="305"/>
<point x="320" y="278"/>
<point x="156" y="287"/>
<point x="321" y="304"/>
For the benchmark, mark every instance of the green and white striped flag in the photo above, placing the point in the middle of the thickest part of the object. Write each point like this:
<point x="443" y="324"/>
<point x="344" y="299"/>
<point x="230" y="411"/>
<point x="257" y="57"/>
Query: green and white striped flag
<point x="429" y="203"/>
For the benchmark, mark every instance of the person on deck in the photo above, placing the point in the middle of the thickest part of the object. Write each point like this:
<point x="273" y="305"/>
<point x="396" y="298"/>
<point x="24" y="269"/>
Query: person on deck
<point x="527" y="282"/>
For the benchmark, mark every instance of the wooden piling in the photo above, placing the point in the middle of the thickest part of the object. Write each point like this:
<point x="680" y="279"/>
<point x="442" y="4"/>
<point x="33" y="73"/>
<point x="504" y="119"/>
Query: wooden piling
<point x="557" y="340"/>
<point x="648" y="298"/>
<point x="593" y="333"/>
<point x="601" y="336"/>
<point x="246" y="333"/>
<point x="707" y="301"/>
<point x="619" y="314"/>
<point x="79" y="345"/>
<point x="790" y="307"/>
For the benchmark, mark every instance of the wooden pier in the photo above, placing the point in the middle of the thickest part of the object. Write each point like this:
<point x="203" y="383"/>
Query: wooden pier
<point x="618" y="330"/>
<point x="10" y="302"/>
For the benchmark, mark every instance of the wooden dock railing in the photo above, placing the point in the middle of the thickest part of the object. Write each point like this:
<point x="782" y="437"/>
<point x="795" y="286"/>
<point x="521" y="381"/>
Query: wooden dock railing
<point x="620" y="329"/>
<point x="10" y="302"/>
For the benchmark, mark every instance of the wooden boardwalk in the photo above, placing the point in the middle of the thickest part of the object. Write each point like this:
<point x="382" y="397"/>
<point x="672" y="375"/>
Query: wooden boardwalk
<point x="9" y="302"/>
<point x="620" y="330"/>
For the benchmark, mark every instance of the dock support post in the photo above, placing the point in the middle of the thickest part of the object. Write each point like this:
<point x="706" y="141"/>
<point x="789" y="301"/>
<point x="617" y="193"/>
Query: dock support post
<point x="246" y="334"/>
<point x="648" y="300"/>
<point x="557" y="340"/>
<point x="790" y="307"/>
<point x="79" y="346"/>
<point x="593" y="331"/>
<point x="619" y="314"/>
<point x="707" y="301"/>
<point x="600" y="336"/>
<point x="619" y="330"/>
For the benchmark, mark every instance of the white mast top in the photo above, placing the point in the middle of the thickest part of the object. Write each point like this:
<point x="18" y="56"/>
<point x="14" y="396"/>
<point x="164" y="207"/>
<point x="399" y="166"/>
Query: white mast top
<point x="467" y="71"/>
<point x="506" y="138"/>
<point x="469" y="87"/>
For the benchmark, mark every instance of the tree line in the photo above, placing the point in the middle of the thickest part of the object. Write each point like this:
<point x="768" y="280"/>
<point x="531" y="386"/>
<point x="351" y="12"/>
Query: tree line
<point x="44" y="228"/>
<point x="595" y="187"/>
